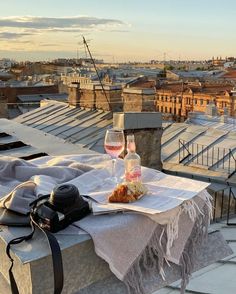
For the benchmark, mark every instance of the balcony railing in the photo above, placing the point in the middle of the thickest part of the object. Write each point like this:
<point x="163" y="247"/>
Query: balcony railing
<point x="211" y="157"/>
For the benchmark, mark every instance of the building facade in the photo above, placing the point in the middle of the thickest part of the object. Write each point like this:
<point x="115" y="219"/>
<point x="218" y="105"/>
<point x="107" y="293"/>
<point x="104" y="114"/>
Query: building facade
<point x="180" y="99"/>
<point x="9" y="94"/>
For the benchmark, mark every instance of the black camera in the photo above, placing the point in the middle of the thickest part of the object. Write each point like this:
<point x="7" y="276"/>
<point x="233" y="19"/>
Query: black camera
<point x="62" y="207"/>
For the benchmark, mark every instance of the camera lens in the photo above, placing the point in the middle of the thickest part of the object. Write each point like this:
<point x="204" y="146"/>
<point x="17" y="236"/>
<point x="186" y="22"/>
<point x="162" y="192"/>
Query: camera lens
<point x="63" y="195"/>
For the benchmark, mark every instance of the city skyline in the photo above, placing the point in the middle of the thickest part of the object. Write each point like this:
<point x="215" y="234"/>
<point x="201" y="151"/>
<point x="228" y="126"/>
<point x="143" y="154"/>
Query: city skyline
<point x="119" y="31"/>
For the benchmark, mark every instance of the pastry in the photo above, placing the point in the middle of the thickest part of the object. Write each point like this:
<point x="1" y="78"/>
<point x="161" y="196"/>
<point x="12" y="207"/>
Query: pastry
<point x="128" y="192"/>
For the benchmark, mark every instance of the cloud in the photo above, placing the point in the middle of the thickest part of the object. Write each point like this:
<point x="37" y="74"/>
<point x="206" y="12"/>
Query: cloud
<point x="119" y="31"/>
<point x="49" y="44"/>
<point x="12" y="36"/>
<point x="58" y="23"/>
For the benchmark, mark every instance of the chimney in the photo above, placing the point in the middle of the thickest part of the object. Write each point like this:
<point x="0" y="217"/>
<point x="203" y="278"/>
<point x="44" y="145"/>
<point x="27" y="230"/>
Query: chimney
<point x="211" y="109"/>
<point x="88" y="96"/>
<point x="74" y="94"/>
<point x="92" y="96"/>
<point x="4" y="113"/>
<point x="224" y="117"/>
<point x="139" y="99"/>
<point x="112" y="100"/>
<point x="147" y="130"/>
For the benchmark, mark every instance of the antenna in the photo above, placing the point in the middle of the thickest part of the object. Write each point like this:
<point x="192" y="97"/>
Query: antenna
<point x="85" y="51"/>
<point x="77" y="54"/>
<point x="164" y="57"/>
<point x="100" y="81"/>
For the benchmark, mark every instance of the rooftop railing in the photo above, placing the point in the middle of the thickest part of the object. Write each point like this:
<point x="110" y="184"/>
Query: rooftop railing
<point x="210" y="157"/>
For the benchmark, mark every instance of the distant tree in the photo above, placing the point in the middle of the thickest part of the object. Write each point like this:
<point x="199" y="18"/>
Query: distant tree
<point x="169" y="67"/>
<point x="182" y="68"/>
<point x="200" y="68"/>
<point x="162" y="74"/>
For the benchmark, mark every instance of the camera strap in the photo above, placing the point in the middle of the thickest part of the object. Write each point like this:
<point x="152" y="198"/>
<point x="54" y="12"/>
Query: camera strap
<point x="14" y="288"/>
<point x="56" y="257"/>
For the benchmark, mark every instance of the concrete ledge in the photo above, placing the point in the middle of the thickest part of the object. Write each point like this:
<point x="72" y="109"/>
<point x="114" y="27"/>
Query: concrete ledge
<point x="144" y="91"/>
<point x="5" y="287"/>
<point x="75" y="85"/>
<point x="87" y="86"/>
<point x="109" y="87"/>
<point x="86" y="273"/>
<point x="137" y="120"/>
<point x="99" y="87"/>
<point x="82" y="266"/>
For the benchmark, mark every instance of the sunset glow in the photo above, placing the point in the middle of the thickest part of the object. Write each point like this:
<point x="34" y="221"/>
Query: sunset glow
<point x="119" y="31"/>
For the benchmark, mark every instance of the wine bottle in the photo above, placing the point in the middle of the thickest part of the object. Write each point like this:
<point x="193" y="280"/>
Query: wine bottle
<point x="132" y="161"/>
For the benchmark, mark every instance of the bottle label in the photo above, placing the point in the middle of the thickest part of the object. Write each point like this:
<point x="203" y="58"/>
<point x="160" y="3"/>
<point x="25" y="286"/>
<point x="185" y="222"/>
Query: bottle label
<point x="133" y="174"/>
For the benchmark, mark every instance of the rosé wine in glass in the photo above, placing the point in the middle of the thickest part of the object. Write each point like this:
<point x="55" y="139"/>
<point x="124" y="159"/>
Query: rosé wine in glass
<point x="114" y="149"/>
<point x="114" y="145"/>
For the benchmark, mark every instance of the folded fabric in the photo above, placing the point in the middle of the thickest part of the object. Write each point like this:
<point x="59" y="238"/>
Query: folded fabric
<point x="127" y="241"/>
<point x="134" y="244"/>
<point x="25" y="180"/>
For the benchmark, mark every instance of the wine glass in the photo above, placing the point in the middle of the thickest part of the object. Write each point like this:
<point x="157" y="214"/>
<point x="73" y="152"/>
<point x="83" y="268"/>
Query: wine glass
<point x="114" y="145"/>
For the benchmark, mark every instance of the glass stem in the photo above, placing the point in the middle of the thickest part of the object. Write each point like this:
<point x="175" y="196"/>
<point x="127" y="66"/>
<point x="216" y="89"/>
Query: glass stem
<point x="113" y="167"/>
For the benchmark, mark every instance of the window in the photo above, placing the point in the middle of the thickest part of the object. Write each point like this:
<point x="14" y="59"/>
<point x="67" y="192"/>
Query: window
<point x="201" y="101"/>
<point x="208" y="101"/>
<point x="161" y="108"/>
<point x="166" y="109"/>
<point x="195" y="100"/>
<point x="188" y="100"/>
<point x="170" y="110"/>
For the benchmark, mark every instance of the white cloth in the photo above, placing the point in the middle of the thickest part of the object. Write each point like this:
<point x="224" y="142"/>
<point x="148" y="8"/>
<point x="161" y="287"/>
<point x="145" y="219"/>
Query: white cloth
<point x="172" y="205"/>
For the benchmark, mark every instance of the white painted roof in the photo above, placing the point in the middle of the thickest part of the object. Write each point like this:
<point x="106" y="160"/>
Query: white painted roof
<point x="75" y="125"/>
<point x="209" y="145"/>
<point x="213" y="121"/>
<point x="22" y="141"/>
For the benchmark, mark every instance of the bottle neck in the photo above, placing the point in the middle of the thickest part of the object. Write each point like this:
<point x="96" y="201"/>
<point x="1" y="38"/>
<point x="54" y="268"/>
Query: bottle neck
<point x="131" y="147"/>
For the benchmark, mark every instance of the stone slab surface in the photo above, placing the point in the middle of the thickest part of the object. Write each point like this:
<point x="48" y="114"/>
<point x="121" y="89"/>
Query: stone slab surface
<point x="37" y="247"/>
<point x="86" y="273"/>
<point x="137" y="120"/>
<point x="218" y="281"/>
<point x="5" y="287"/>
<point x="217" y="278"/>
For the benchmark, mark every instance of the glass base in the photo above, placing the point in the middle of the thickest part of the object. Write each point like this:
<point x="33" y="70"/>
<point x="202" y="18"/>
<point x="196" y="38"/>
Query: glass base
<point x="112" y="180"/>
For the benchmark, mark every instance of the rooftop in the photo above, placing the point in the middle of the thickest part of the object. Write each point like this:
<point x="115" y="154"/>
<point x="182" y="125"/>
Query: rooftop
<point x="87" y="127"/>
<point x="230" y="74"/>
<point x="39" y="97"/>
<point x="213" y="88"/>
<point x="24" y="142"/>
<point x="75" y="125"/>
<point x="22" y="84"/>
<point x="206" y="149"/>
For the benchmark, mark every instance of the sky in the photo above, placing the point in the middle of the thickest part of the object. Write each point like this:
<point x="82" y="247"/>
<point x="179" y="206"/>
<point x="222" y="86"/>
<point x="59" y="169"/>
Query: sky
<point x="118" y="31"/>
